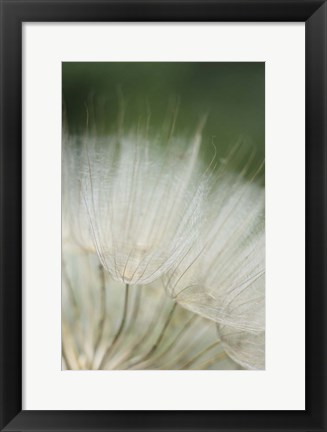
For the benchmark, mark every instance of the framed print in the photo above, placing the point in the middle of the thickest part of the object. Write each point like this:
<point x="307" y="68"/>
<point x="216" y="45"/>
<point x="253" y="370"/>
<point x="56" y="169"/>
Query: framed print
<point x="163" y="215"/>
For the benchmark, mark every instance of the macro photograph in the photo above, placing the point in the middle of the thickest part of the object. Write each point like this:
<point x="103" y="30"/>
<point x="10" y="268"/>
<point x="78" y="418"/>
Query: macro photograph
<point x="163" y="216"/>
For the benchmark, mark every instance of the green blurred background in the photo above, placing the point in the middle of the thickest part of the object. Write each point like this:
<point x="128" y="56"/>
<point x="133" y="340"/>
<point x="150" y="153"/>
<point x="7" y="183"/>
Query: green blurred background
<point x="232" y="94"/>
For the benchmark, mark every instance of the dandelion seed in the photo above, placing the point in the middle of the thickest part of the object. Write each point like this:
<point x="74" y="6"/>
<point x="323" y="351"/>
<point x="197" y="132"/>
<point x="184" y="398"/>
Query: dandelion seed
<point x="224" y="280"/>
<point x="144" y="206"/>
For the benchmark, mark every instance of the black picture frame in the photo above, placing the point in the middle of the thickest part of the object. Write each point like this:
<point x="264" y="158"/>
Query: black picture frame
<point x="13" y="14"/>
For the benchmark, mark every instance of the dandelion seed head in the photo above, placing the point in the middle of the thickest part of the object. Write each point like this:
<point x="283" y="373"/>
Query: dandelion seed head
<point x="147" y="214"/>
